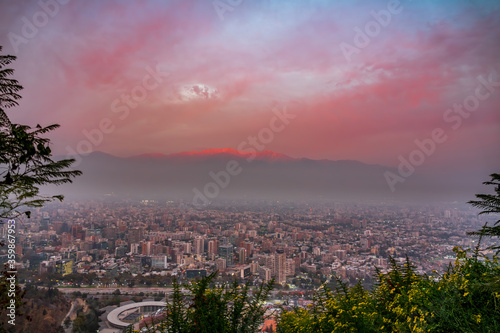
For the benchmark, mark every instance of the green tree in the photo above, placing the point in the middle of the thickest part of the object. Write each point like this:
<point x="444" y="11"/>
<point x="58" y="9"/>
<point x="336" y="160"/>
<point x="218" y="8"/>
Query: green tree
<point x="403" y="301"/>
<point x="490" y="204"/>
<point x="25" y="155"/>
<point x="8" y="88"/>
<point x="79" y="324"/>
<point x="204" y="310"/>
<point x="25" y="166"/>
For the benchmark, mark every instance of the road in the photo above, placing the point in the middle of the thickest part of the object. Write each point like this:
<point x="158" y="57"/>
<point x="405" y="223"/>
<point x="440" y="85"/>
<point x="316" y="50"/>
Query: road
<point x="123" y="290"/>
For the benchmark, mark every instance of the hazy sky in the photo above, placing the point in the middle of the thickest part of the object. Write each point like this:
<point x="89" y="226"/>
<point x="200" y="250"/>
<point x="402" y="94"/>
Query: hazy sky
<point x="171" y="76"/>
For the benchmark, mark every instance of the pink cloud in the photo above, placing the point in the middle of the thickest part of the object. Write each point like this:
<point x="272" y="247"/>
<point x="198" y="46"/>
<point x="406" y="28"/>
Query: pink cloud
<point x="394" y="91"/>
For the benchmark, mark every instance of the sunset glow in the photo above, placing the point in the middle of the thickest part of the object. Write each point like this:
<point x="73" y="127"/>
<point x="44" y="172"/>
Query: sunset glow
<point x="365" y="78"/>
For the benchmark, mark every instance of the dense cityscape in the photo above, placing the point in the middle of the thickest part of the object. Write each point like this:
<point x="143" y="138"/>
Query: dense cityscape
<point x="263" y="166"/>
<point x="293" y="243"/>
<point x="141" y="247"/>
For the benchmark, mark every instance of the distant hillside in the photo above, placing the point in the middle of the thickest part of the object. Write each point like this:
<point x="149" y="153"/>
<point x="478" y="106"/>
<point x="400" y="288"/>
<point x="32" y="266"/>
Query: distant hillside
<point x="262" y="175"/>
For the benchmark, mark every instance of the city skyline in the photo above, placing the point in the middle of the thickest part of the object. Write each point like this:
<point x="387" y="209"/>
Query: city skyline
<point x="257" y="166"/>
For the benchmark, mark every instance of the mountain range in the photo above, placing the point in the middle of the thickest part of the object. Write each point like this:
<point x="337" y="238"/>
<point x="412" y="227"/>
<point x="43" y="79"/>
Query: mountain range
<point x="204" y="176"/>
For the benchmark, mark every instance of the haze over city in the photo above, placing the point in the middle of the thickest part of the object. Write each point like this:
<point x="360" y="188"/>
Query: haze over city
<point x="249" y="166"/>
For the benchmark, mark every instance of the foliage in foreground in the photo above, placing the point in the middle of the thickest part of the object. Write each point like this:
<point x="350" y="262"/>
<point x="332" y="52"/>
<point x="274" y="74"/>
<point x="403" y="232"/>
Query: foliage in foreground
<point x="490" y="204"/>
<point x="464" y="299"/>
<point x="26" y="164"/>
<point x="26" y="161"/>
<point x="235" y="309"/>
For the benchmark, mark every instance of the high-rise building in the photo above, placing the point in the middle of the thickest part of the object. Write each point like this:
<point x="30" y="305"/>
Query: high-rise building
<point x="213" y="247"/>
<point x="146" y="248"/>
<point x="365" y="243"/>
<point x="297" y="262"/>
<point x="290" y="267"/>
<point x="135" y="235"/>
<point x="269" y="263"/>
<point x="242" y="259"/>
<point x="199" y="245"/>
<point x="226" y="252"/>
<point x="249" y="247"/>
<point x="186" y="247"/>
<point x="280" y="266"/>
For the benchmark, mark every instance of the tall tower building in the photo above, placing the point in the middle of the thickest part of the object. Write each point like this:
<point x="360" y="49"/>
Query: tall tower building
<point x="213" y="247"/>
<point x="186" y="247"/>
<point x="280" y="266"/>
<point x="290" y="267"/>
<point x="146" y="248"/>
<point x="199" y="245"/>
<point x="249" y="247"/>
<point x="242" y="259"/>
<point x="226" y="252"/>
<point x="269" y="263"/>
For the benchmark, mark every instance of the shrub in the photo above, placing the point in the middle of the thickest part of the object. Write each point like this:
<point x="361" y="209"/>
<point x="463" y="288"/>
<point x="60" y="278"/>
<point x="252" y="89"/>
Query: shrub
<point x="464" y="299"/>
<point x="233" y="309"/>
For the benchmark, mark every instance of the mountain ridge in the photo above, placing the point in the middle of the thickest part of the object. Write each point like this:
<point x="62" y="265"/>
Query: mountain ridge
<point x="268" y="175"/>
<point x="224" y="152"/>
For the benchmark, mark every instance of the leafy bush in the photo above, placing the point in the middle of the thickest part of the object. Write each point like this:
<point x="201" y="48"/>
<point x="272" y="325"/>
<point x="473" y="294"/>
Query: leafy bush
<point x="234" y="309"/>
<point x="464" y="299"/>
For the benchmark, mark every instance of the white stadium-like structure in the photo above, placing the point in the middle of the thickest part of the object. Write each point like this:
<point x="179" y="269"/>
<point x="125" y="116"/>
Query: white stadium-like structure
<point x="125" y="315"/>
